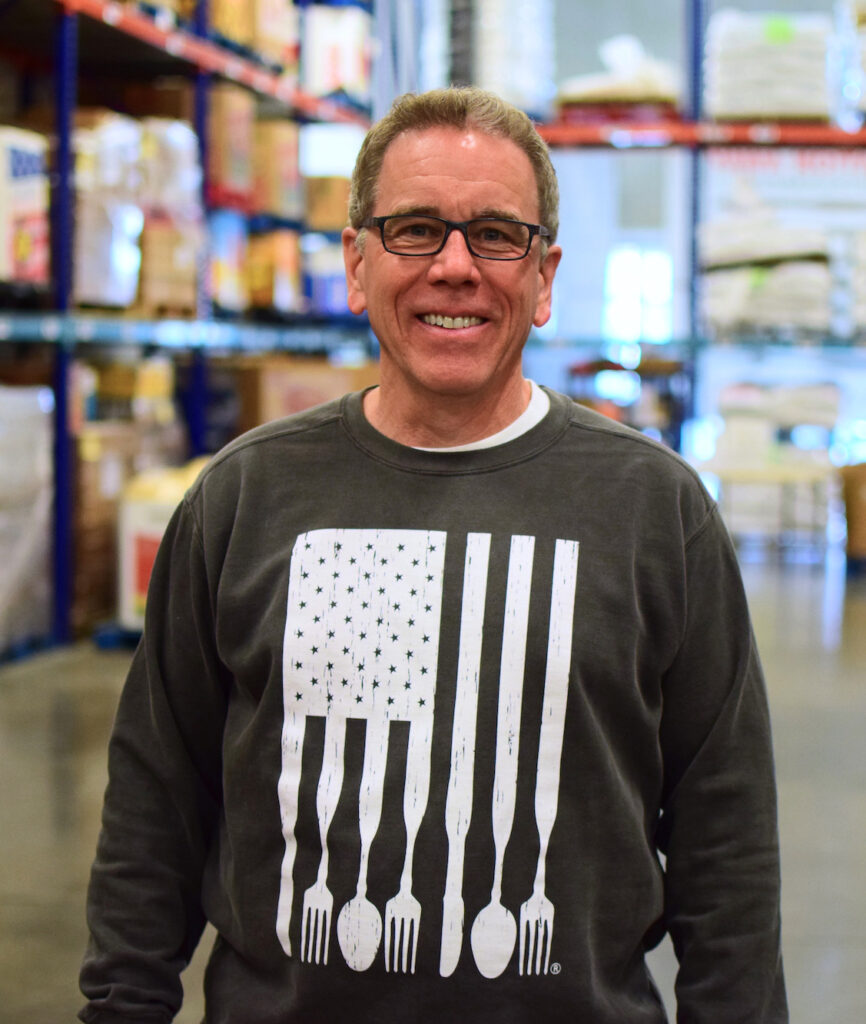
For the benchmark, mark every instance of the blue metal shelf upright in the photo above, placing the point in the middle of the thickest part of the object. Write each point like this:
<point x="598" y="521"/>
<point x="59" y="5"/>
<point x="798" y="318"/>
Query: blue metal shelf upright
<point x="65" y="90"/>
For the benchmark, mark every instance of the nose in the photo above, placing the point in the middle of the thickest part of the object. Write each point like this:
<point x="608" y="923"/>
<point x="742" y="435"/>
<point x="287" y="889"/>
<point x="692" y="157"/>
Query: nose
<point x="454" y="263"/>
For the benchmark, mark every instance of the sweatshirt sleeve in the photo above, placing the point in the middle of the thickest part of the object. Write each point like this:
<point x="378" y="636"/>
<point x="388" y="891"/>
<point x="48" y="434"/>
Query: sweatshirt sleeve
<point x="718" y="827"/>
<point x="163" y="798"/>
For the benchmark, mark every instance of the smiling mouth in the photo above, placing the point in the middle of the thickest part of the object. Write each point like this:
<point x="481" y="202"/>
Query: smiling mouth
<point x="451" y="323"/>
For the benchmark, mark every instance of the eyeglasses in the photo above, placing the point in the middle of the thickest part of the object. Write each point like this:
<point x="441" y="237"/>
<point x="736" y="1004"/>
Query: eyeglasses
<point x="491" y="238"/>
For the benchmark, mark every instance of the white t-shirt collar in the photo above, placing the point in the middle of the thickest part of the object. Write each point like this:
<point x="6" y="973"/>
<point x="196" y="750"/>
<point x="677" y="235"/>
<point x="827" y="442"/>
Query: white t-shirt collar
<point x="534" y="413"/>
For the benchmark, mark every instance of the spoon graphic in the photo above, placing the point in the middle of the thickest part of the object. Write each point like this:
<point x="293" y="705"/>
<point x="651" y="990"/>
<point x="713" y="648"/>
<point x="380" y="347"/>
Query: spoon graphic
<point x="359" y="925"/>
<point x="494" y="932"/>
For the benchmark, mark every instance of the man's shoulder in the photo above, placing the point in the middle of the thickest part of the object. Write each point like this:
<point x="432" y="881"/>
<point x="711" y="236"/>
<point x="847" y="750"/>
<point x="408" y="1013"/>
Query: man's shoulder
<point x="257" y="445"/>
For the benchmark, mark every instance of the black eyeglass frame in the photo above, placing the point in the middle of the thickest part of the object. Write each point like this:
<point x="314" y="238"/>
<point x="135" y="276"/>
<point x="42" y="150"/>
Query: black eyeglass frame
<point x="457" y="225"/>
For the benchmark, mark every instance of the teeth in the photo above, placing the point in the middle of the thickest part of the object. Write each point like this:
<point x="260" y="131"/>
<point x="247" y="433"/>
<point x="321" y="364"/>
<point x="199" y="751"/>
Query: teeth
<point x="451" y="322"/>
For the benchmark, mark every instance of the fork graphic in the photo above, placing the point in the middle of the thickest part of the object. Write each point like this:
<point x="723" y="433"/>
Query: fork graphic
<point x="318" y="901"/>
<point x="403" y="911"/>
<point x="536" y="914"/>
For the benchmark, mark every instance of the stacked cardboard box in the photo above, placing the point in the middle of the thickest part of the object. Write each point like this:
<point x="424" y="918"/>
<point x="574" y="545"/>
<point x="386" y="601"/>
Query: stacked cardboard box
<point x="327" y="203"/>
<point x="276" y="386"/>
<point x="147" y="504"/>
<point x="107" y="455"/>
<point x="275" y="32"/>
<point x="231" y="120"/>
<point x="274" y="271"/>
<point x="278" y="189"/>
<point x="854" y="494"/>
<point x="232" y="20"/>
<point x="170" y="253"/>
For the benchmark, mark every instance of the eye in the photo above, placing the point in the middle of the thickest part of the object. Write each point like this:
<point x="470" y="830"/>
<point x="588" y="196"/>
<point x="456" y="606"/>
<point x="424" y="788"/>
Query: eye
<point x="412" y="227"/>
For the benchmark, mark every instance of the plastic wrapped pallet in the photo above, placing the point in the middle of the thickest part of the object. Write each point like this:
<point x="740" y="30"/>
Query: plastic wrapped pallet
<point x="633" y="81"/>
<point x="757" y="236"/>
<point x="768" y="65"/>
<point x="335" y="51"/>
<point x="794" y="295"/>
<point x="108" y="213"/>
<point x="26" y="498"/>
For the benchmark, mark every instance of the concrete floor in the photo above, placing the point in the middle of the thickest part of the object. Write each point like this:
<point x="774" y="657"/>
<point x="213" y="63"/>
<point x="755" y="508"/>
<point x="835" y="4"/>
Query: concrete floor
<point x="55" y="715"/>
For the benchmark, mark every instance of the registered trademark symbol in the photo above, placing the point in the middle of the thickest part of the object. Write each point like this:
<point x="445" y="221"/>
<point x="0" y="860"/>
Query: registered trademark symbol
<point x="555" y="968"/>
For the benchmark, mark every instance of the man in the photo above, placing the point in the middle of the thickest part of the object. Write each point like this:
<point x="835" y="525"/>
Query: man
<point x="435" y="676"/>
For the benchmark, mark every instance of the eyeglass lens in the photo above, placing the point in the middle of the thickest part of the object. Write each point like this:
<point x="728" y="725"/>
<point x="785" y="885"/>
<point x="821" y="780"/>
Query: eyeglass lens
<point x="415" y="235"/>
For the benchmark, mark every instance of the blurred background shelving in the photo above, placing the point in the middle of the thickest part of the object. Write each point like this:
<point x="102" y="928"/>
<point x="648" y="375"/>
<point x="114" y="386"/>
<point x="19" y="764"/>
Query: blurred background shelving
<point x="182" y="178"/>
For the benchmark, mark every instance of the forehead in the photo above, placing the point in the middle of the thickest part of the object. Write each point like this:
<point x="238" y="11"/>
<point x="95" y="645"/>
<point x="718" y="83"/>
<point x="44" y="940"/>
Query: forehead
<point x="449" y="168"/>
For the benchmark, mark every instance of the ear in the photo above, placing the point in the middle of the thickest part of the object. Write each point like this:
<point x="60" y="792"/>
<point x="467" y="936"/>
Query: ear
<point x="546" y="273"/>
<point x="353" y="259"/>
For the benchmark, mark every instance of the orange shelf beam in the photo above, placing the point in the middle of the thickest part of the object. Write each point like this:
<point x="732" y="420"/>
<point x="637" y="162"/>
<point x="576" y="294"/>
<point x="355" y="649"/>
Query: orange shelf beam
<point x="644" y="134"/>
<point x="210" y="57"/>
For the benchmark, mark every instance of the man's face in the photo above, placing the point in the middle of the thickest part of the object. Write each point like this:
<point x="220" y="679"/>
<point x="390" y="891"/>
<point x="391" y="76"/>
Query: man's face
<point x="459" y="175"/>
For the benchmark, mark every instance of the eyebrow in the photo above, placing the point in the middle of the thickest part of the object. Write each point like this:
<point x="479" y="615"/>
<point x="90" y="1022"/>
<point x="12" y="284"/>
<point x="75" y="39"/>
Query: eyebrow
<point x="433" y="211"/>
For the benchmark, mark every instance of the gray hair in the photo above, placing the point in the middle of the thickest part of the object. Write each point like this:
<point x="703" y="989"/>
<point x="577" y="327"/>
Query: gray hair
<point x="457" y="107"/>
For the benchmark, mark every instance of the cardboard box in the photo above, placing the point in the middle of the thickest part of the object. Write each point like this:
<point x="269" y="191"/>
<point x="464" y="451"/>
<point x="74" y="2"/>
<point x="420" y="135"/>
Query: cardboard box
<point x="854" y="496"/>
<point x="274" y="272"/>
<point x="24" y="197"/>
<point x="276" y="31"/>
<point x="275" y="386"/>
<point x="278" y="188"/>
<point x="232" y="19"/>
<point x="148" y="503"/>
<point x="170" y="258"/>
<point x="327" y="203"/>
<point x="231" y="119"/>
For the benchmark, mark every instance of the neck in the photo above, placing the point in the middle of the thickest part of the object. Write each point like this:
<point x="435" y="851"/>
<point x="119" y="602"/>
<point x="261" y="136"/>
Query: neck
<point x="439" y="421"/>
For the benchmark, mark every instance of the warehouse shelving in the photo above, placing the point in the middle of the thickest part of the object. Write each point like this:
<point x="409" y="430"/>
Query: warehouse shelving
<point x="701" y="139"/>
<point x="110" y="37"/>
<point x="118" y="36"/>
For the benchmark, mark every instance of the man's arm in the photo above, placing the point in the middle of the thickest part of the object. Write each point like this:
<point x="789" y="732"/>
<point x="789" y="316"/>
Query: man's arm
<point x="162" y="799"/>
<point x="718" y="827"/>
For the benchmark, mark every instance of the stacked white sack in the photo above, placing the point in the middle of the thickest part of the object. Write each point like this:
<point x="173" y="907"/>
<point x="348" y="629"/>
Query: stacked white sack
<point x="767" y="65"/>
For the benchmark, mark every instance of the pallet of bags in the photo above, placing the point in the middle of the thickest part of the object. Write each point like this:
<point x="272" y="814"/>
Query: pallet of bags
<point x="768" y="66"/>
<point x="108" y="212"/>
<point x="764" y="275"/>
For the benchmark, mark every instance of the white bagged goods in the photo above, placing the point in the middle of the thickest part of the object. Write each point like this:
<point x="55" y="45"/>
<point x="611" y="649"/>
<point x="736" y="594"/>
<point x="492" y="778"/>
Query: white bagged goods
<point x="26" y="438"/>
<point x="768" y="65"/>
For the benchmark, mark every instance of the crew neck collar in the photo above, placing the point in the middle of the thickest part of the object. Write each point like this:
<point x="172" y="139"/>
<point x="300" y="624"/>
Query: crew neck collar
<point x="476" y="459"/>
